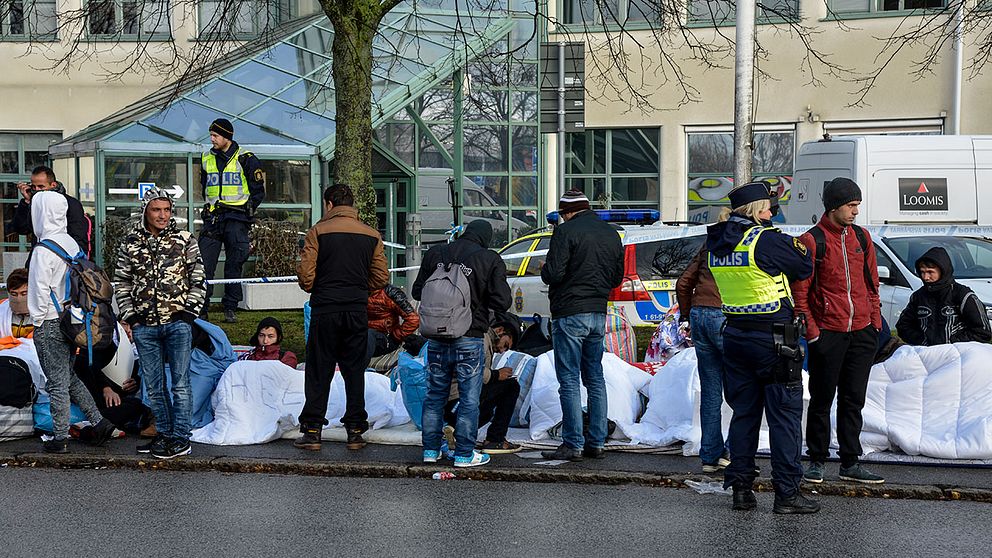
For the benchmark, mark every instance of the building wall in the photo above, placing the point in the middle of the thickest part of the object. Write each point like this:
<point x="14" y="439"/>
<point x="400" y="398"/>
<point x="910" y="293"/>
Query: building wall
<point x="786" y="97"/>
<point x="40" y="99"/>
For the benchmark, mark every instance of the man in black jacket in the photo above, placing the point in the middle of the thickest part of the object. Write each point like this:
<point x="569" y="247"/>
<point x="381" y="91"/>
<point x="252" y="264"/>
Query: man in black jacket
<point x="42" y="179"/>
<point x="462" y="358"/>
<point x="584" y="262"/>
<point x="942" y="310"/>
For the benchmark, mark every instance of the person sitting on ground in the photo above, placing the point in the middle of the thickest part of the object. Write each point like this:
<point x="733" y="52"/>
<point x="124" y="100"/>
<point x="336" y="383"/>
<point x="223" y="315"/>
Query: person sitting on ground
<point x="942" y="311"/>
<point x="120" y="404"/>
<point x="15" y="320"/>
<point x="266" y="341"/>
<point x="500" y="388"/>
<point x="392" y="321"/>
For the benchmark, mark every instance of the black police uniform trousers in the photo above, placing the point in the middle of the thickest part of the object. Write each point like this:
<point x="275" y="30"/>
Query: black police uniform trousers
<point x="839" y="363"/>
<point x="336" y="339"/>
<point x="231" y="234"/>
<point x="750" y="359"/>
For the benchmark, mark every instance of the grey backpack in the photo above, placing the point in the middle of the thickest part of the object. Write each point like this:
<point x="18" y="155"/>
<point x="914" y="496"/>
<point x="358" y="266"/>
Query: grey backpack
<point x="446" y="301"/>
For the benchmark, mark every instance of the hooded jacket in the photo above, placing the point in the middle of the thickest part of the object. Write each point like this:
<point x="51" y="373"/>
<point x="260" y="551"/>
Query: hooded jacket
<point x="78" y="224"/>
<point x="944" y="311"/>
<point x="159" y="279"/>
<point x="584" y="262"/>
<point x="47" y="271"/>
<point x="840" y="300"/>
<point x="487" y="280"/>
<point x="775" y="253"/>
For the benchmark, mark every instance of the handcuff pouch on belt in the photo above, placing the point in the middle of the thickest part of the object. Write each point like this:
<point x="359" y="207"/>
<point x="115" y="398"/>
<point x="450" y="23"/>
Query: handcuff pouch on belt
<point x="791" y="354"/>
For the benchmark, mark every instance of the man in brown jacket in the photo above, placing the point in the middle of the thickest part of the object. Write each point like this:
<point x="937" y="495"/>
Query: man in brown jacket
<point x="342" y="260"/>
<point x="700" y="305"/>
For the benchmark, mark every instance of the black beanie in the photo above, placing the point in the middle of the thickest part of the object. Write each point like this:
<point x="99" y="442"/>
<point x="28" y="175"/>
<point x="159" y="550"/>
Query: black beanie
<point x="840" y="191"/>
<point x="223" y="127"/>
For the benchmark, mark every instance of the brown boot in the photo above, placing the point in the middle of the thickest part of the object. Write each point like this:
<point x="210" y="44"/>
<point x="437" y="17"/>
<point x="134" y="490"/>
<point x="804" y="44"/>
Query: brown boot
<point x="310" y="440"/>
<point x="149" y="431"/>
<point x="355" y="440"/>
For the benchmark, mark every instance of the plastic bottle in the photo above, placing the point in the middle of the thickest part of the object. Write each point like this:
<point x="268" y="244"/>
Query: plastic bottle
<point x="443" y="475"/>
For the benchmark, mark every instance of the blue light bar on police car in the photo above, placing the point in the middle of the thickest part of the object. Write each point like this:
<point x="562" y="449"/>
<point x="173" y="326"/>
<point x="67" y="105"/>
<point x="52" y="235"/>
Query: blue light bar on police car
<point x="618" y="215"/>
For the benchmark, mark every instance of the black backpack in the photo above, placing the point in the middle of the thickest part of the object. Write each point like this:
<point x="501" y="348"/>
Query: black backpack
<point x="16" y="387"/>
<point x="86" y="316"/>
<point x="820" y="250"/>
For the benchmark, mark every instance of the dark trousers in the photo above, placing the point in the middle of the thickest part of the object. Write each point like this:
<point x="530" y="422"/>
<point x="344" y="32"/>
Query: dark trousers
<point x="232" y="236"/>
<point x="336" y="339"/>
<point x="496" y="403"/>
<point x="749" y="361"/>
<point x="131" y="415"/>
<point x="839" y="363"/>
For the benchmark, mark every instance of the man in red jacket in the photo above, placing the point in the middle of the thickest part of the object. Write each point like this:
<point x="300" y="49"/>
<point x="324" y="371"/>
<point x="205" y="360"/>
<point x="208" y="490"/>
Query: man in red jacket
<point x="843" y="316"/>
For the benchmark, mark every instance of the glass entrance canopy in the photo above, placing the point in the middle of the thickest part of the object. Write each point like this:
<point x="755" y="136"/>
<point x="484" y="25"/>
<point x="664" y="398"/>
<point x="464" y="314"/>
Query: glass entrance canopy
<point x="279" y="95"/>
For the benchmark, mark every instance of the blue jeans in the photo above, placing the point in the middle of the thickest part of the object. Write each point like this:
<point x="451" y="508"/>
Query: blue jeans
<point x="155" y="343"/>
<point x="578" y="344"/>
<point x="461" y="359"/>
<point x="706" y="323"/>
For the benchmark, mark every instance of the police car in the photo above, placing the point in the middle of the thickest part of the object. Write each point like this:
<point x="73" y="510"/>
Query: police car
<point x="655" y="255"/>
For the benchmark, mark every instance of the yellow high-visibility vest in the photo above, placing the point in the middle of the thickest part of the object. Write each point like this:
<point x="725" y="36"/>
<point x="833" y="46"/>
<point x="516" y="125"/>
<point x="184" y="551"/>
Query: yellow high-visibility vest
<point x="744" y="288"/>
<point x="230" y="186"/>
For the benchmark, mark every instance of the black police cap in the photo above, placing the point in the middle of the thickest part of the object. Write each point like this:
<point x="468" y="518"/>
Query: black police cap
<point x="751" y="192"/>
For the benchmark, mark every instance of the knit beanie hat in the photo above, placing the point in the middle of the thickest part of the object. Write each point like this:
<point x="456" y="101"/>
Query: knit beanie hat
<point x="573" y="201"/>
<point x="840" y="191"/>
<point x="223" y="127"/>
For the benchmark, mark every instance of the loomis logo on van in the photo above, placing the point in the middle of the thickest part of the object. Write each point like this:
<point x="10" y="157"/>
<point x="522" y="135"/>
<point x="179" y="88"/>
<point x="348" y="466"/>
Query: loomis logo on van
<point x="922" y="194"/>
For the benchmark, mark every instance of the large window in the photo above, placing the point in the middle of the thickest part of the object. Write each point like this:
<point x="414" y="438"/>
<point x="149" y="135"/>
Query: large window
<point x="138" y="19"/>
<point x="238" y="20"/>
<point x="871" y="6"/>
<point x="611" y="12"/>
<point x="19" y="154"/>
<point x="500" y="143"/>
<point x="28" y="19"/>
<point x="615" y="168"/>
<point x="711" y="168"/>
<point x="723" y="11"/>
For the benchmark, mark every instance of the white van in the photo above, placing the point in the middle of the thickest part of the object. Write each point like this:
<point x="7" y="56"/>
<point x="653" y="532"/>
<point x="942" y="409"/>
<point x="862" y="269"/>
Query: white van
<point x="433" y="191"/>
<point x="904" y="179"/>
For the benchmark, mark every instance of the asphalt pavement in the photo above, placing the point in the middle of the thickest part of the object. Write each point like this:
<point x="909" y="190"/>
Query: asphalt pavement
<point x="378" y="460"/>
<point x="83" y="513"/>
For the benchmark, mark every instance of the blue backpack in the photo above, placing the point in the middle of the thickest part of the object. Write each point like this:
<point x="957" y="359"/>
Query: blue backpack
<point x="86" y="316"/>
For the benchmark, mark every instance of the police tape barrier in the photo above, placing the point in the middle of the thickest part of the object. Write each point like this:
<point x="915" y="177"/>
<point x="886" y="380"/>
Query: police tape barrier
<point x="288" y="278"/>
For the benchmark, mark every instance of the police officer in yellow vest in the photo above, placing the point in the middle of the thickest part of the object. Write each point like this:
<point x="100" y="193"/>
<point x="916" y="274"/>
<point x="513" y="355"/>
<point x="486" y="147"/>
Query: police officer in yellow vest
<point x="233" y="187"/>
<point x="753" y="263"/>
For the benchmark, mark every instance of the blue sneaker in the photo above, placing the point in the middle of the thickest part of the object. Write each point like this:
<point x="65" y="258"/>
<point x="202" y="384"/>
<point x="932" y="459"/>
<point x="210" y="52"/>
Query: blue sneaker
<point x="431" y="456"/>
<point x="473" y="460"/>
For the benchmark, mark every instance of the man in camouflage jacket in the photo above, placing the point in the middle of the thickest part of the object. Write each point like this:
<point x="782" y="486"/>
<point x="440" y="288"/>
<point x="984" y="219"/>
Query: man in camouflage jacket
<point x="159" y="285"/>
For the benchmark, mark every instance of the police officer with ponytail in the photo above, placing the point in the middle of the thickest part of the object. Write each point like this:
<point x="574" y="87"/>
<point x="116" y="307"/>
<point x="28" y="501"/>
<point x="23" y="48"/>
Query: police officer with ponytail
<point x="233" y="187"/>
<point x="753" y="264"/>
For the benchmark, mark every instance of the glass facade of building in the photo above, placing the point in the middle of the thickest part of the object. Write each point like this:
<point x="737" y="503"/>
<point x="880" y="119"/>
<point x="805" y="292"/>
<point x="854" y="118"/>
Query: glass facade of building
<point x="280" y="99"/>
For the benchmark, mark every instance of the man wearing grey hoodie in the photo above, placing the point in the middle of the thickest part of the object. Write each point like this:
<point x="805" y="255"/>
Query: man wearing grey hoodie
<point x="47" y="285"/>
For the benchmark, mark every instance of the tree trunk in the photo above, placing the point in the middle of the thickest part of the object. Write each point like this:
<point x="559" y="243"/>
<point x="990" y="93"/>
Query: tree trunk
<point x="355" y="23"/>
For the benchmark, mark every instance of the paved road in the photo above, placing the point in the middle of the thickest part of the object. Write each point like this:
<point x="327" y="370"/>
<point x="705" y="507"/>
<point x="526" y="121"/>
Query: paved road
<point x="124" y="512"/>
